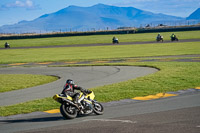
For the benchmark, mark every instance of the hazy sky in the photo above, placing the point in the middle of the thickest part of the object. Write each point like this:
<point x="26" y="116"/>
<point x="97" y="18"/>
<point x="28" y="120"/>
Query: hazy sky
<point x="13" y="11"/>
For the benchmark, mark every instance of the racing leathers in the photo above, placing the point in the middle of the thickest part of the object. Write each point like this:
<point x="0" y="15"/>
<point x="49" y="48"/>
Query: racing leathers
<point x="69" y="89"/>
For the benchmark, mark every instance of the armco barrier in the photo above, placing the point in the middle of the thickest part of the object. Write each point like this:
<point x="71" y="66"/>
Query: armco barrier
<point x="124" y="31"/>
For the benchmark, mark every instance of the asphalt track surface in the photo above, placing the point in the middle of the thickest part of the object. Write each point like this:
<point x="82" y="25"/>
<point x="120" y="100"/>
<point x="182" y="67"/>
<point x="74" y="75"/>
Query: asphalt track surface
<point x="178" y="114"/>
<point x="87" y="77"/>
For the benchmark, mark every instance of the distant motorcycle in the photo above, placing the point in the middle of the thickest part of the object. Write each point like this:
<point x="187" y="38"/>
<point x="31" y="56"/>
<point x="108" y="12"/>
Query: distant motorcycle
<point x="7" y="45"/>
<point x="115" y="40"/>
<point x="88" y="105"/>
<point x="174" y="38"/>
<point x="159" y="38"/>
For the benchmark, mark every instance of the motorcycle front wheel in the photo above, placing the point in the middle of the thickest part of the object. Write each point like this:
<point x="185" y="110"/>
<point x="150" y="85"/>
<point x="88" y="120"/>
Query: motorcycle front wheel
<point x="98" y="108"/>
<point x="68" y="112"/>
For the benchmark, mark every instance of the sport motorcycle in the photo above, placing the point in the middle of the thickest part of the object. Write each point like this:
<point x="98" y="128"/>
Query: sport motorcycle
<point x="70" y="110"/>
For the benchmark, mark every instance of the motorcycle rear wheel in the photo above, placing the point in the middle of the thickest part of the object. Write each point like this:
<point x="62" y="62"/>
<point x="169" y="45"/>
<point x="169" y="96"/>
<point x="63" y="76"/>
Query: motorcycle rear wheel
<point x="68" y="112"/>
<point x="98" y="108"/>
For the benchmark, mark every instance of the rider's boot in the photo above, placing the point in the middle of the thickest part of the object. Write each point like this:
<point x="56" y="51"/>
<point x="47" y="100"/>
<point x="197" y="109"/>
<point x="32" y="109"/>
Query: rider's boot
<point x="77" y="105"/>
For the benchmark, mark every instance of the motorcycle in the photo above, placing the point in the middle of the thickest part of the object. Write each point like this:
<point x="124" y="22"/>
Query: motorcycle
<point x="174" y="38"/>
<point x="159" y="39"/>
<point x="7" y="45"/>
<point x="69" y="109"/>
<point x="115" y="41"/>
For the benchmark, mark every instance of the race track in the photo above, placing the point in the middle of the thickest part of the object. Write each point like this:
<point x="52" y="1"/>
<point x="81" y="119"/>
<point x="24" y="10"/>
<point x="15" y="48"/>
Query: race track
<point x="87" y="77"/>
<point x="177" y="114"/>
<point x="107" y="44"/>
<point x="173" y="114"/>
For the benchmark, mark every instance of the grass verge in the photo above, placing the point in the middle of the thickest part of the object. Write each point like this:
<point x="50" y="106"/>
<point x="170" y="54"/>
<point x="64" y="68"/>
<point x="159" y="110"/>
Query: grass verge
<point x="172" y="76"/>
<point x="10" y="82"/>
<point x="96" y="53"/>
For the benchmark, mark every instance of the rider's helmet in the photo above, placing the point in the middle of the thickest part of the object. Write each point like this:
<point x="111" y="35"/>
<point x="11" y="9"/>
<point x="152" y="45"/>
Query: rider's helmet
<point x="69" y="81"/>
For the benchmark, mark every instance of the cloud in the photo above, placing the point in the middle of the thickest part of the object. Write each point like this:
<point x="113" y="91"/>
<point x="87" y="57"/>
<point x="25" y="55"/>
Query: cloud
<point x="28" y="4"/>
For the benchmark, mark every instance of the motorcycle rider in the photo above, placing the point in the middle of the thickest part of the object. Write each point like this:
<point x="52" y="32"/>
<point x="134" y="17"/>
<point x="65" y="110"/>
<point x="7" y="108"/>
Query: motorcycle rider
<point x="173" y="36"/>
<point x="7" y="45"/>
<point x="69" y="90"/>
<point x="159" y="36"/>
<point x="115" y="40"/>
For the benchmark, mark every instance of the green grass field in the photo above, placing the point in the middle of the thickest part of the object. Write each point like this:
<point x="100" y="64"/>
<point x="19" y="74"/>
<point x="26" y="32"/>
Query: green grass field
<point x="173" y="76"/>
<point x="96" y="53"/>
<point x="10" y="82"/>
<point x="97" y="39"/>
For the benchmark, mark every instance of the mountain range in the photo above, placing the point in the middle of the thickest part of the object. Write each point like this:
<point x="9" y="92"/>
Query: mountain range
<point x="195" y="15"/>
<point x="97" y="17"/>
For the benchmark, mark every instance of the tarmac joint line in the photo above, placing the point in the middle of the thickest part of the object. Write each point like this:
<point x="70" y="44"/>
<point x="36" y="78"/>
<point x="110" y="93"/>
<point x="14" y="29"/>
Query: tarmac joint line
<point x="111" y="120"/>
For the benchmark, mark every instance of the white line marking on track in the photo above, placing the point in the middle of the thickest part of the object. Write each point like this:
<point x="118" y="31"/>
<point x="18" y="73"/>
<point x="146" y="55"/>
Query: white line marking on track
<point x="198" y="126"/>
<point x="111" y="120"/>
